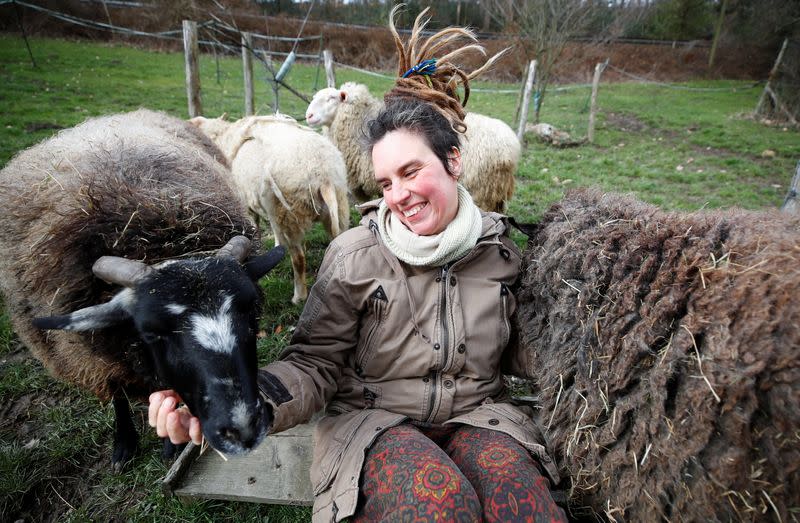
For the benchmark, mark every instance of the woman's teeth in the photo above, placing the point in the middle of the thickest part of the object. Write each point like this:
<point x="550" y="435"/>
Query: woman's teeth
<point x="414" y="210"/>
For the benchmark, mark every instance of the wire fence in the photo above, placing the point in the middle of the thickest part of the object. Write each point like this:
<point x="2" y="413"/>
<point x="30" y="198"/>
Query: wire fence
<point x="225" y="37"/>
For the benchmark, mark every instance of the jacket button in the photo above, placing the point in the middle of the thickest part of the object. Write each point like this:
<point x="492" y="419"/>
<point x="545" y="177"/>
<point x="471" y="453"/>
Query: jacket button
<point x="425" y="380"/>
<point x="546" y="459"/>
<point x="438" y="279"/>
<point x="453" y="281"/>
<point x="436" y="346"/>
<point x="448" y="384"/>
<point x="505" y="254"/>
<point x="378" y="429"/>
<point x="462" y="349"/>
<point x="359" y="371"/>
<point x="494" y="421"/>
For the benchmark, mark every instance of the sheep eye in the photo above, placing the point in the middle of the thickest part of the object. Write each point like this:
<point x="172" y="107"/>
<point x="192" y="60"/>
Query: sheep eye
<point x="150" y="337"/>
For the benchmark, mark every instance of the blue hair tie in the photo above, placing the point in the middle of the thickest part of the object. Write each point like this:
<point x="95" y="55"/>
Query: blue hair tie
<point x="425" y="67"/>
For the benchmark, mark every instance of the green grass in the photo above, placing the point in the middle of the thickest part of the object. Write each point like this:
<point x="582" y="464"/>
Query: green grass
<point x="678" y="148"/>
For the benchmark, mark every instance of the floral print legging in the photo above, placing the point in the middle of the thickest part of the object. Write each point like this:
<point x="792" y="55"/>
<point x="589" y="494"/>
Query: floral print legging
<point x="419" y="473"/>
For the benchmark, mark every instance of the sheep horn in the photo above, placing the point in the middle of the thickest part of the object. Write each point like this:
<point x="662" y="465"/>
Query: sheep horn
<point x="121" y="271"/>
<point x="238" y="247"/>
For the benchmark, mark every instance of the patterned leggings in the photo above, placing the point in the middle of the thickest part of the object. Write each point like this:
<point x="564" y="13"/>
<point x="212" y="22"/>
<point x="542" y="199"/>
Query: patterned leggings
<point x="457" y="473"/>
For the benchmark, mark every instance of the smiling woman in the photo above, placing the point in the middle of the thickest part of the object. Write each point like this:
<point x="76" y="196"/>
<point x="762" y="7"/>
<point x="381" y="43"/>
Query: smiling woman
<point x="417" y="187"/>
<point x="402" y="336"/>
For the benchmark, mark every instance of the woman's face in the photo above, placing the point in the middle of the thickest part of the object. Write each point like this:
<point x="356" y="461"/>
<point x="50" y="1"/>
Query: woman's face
<point x="416" y="186"/>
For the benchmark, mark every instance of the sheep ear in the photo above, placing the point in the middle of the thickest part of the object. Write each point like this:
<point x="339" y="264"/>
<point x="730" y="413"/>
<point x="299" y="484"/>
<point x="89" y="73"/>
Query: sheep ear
<point x="259" y="266"/>
<point x="224" y="117"/>
<point x="90" y="318"/>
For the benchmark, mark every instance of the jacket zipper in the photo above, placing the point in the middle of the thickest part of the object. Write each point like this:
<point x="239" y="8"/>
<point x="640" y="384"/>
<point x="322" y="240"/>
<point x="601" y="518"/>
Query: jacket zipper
<point x="504" y="296"/>
<point x="434" y="376"/>
<point x="379" y="300"/>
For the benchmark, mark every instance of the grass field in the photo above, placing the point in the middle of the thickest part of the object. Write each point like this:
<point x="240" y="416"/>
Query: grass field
<point x="681" y="147"/>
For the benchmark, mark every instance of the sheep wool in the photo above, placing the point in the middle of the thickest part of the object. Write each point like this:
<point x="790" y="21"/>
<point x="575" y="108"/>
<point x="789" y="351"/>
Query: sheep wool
<point x="664" y="347"/>
<point x="490" y="150"/>
<point x="141" y="185"/>
<point x="286" y="174"/>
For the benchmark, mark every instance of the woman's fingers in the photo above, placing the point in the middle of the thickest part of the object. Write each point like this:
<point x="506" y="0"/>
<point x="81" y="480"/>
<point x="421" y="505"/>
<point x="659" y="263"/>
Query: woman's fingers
<point x="195" y="432"/>
<point x="152" y="410"/>
<point x="172" y="422"/>
<point x="167" y="408"/>
<point x="177" y="427"/>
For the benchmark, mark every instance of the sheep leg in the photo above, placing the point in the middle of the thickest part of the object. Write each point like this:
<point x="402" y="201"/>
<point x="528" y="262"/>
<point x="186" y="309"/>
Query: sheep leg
<point x="262" y="220"/>
<point x="299" y="269"/>
<point x="126" y="439"/>
<point x="169" y="450"/>
<point x="294" y="243"/>
<point x="330" y="214"/>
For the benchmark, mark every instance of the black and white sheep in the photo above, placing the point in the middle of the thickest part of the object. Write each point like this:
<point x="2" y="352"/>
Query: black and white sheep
<point x="287" y="174"/>
<point x="136" y="200"/>
<point x="490" y="150"/>
<point x="665" y="350"/>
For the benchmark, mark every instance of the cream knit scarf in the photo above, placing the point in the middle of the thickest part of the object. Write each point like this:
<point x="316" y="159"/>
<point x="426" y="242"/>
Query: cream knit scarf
<point x="455" y="241"/>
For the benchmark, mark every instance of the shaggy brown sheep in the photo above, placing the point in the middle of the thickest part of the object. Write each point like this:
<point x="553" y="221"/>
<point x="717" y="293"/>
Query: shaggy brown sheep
<point x="664" y="347"/>
<point x="149" y="188"/>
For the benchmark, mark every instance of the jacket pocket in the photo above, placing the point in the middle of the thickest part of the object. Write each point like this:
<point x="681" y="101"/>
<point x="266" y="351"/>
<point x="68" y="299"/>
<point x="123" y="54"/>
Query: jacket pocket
<point x="376" y="313"/>
<point x="331" y="447"/>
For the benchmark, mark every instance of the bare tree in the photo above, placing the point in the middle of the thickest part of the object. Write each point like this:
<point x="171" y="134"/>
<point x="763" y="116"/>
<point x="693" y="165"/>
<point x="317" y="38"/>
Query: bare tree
<point x="542" y="29"/>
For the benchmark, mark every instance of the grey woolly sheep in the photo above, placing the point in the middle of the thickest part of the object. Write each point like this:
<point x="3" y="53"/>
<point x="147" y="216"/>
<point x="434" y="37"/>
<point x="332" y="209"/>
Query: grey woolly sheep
<point x="136" y="200"/>
<point x="287" y="174"/>
<point x="489" y="149"/>
<point x="665" y="350"/>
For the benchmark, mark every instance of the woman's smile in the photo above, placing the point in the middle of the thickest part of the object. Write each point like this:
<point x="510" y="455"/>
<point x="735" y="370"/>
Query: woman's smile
<point x="417" y="187"/>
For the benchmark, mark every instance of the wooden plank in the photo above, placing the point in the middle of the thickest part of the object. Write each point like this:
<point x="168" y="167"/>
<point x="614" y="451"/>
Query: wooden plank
<point x="277" y="472"/>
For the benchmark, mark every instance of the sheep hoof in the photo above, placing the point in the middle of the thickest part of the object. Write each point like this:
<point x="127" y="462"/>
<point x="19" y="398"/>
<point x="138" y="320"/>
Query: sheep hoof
<point x="123" y="453"/>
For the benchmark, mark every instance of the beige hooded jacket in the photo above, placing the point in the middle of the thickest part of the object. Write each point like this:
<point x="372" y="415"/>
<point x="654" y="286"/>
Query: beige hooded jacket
<point x="380" y="342"/>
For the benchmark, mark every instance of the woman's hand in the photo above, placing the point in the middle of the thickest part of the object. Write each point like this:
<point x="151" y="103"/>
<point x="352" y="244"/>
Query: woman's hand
<point x="171" y="422"/>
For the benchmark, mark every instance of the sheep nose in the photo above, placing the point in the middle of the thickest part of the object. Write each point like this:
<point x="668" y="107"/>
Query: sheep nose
<point x="230" y="434"/>
<point x="309" y="116"/>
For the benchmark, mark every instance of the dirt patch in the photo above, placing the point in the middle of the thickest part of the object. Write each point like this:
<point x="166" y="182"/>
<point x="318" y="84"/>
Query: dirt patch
<point x="626" y="122"/>
<point x="44" y="485"/>
<point x="40" y="126"/>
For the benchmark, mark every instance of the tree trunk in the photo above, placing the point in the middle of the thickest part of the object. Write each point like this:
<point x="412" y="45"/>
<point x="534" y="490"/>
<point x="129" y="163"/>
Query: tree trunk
<point x="717" y="31"/>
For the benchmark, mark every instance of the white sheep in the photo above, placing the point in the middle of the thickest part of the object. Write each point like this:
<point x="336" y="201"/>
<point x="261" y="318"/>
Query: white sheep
<point x="490" y="149"/>
<point x="287" y="174"/>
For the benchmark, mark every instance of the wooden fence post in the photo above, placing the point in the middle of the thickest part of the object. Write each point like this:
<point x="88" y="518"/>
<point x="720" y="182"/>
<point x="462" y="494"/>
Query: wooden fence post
<point x="771" y="76"/>
<point x="526" y="98"/>
<point x="598" y="70"/>
<point x="191" y="50"/>
<point x="247" y="65"/>
<point x="330" y="76"/>
<point x="791" y="204"/>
